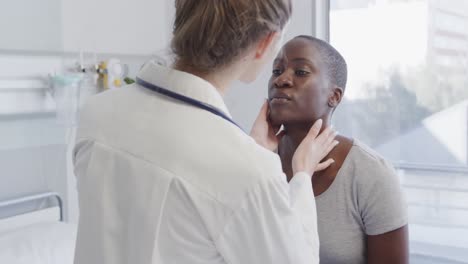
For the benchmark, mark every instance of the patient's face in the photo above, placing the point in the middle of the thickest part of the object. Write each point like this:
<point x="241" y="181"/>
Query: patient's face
<point x="298" y="88"/>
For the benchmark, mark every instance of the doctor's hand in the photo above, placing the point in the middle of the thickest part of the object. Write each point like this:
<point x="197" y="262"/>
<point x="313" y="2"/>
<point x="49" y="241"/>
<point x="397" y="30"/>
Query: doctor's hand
<point x="313" y="148"/>
<point x="263" y="132"/>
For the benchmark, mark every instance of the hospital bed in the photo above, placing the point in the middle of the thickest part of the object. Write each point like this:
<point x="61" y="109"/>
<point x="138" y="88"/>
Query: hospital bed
<point x="32" y="231"/>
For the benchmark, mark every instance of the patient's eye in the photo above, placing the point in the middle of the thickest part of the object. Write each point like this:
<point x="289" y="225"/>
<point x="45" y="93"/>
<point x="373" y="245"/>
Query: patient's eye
<point x="301" y="72"/>
<point x="277" y="72"/>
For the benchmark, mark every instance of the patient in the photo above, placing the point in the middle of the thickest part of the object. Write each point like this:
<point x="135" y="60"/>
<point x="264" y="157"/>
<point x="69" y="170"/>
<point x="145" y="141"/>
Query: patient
<point x="361" y="214"/>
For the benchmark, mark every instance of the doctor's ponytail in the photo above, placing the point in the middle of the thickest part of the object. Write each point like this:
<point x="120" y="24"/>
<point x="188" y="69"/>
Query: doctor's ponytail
<point x="209" y="34"/>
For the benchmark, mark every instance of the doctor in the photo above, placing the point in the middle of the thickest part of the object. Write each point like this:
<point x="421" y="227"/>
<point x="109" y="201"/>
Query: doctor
<point x="165" y="175"/>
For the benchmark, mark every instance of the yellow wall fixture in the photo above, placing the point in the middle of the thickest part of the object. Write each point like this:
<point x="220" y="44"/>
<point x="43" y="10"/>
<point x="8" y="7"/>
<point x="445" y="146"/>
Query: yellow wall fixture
<point x="102" y="79"/>
<point x="110" y="73"/>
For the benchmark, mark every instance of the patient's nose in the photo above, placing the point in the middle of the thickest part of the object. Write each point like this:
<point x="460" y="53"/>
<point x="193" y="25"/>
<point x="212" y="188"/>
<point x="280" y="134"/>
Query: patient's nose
<point x="283" y="81"/>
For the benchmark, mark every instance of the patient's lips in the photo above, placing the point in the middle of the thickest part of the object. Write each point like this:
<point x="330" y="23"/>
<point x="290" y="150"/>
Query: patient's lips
<point x="280" y="98"/>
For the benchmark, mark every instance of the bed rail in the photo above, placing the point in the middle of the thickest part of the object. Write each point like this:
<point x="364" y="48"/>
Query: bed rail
<point x="28" y="200"/>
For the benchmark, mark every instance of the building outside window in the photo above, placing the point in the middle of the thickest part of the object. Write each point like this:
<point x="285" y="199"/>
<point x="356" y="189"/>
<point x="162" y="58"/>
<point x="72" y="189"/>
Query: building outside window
<point x="407" y="97"/>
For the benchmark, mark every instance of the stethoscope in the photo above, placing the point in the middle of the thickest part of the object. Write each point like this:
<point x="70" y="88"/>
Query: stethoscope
<point x="186" y="100"/>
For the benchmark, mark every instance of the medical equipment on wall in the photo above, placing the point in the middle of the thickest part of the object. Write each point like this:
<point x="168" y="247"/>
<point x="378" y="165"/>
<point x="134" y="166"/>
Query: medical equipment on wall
<point x="83" y="79"/>
<point x="66" y="94"/>
<point x="105" y="74"/>
<point x="111" y="73"/>
<point x="86" y="77"/>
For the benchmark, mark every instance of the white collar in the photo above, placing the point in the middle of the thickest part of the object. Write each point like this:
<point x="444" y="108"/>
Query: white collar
<point x="183" y="83"/>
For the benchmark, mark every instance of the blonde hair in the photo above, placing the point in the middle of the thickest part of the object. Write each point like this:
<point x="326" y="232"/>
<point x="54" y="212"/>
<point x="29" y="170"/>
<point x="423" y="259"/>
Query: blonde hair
<point x="209" y="34"/>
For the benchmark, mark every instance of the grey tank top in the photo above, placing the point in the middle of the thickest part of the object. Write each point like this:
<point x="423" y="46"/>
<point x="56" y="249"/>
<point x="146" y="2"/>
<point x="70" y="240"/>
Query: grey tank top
<point x="364" y="199"/>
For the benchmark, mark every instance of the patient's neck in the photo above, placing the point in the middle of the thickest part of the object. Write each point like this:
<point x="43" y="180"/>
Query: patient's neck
<point x="294" y="134"/>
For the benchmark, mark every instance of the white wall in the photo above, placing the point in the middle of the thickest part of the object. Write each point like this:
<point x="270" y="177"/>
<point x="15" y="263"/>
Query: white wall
<point x="116" y="26"/>
<point x="30" y="25"/>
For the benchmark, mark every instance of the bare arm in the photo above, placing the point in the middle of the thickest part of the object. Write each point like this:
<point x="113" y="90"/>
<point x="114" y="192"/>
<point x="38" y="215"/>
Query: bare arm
<point x="388" y="248"/>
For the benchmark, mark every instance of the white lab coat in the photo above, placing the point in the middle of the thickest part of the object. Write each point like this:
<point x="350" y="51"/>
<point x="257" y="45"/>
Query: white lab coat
<point x="160" y="181"/>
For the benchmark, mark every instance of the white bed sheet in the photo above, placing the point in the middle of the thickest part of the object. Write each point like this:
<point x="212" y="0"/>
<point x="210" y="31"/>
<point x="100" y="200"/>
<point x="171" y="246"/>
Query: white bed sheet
<point x="39" y="243"/>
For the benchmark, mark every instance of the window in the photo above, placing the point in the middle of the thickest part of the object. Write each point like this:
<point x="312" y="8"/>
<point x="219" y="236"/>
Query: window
<point x="407" y="97"/>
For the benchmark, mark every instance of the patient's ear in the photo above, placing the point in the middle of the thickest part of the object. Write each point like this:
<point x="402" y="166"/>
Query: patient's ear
<point x="336" y="94"/>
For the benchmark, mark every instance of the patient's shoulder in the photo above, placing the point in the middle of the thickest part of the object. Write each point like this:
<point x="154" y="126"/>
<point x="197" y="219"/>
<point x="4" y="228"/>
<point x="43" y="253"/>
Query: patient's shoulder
<point x="368" y="166"/>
